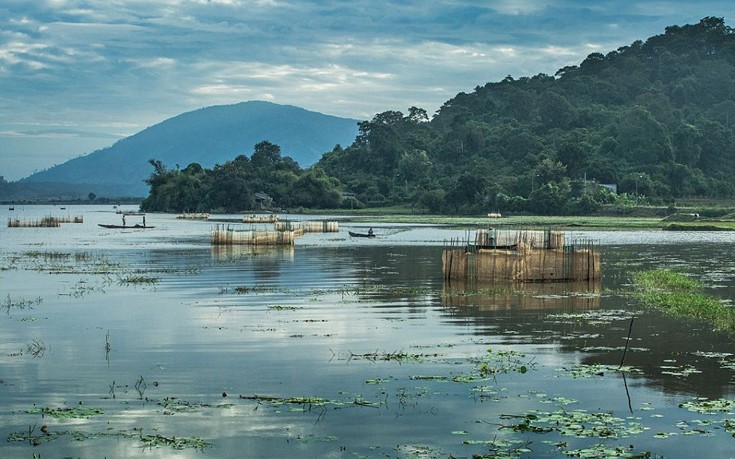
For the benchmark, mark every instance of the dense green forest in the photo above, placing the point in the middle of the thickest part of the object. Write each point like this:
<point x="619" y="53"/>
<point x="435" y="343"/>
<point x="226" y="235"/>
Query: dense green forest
<point x="652" y="119"/>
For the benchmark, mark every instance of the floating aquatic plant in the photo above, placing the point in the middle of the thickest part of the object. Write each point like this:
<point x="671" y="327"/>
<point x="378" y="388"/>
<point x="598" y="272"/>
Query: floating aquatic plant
<point x="173" y="405"/>
<point x="67" y="413"/>
<point x="706" y="406"/>
<point x="576" y="423"/>
<point x="178" y="443"/>
<point x="589" y="371"/>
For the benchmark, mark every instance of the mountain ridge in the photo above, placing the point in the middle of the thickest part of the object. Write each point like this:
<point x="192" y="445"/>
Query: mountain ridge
<point x="208" y="136"/>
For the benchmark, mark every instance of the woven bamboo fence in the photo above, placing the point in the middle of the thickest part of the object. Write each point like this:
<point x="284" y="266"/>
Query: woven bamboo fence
<point x="70" y="219"/>
<point x="227" y="235"/>
<point x="194" y="216"/>
<point x="45" y="222"/>
<point x="548" y="239"/>
<point x="269" y="218"/>
<point x="321" y="226"/>
<point x="523" y="256"/>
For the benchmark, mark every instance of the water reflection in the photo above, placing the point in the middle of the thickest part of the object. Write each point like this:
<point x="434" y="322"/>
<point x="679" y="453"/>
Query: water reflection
<point x="543" y="295"/>
<point x="231" y="253"/>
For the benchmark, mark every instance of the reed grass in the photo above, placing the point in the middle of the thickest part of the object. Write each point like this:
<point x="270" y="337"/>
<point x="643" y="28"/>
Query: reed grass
<point x="138" y="279"/>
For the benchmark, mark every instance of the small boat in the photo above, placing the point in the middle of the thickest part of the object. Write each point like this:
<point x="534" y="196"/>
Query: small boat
<point x="353" y="234"/>
<point x="125" y="226"/>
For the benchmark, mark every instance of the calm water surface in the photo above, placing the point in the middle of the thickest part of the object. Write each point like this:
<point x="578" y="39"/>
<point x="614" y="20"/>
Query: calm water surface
<point x="345" y="348"/>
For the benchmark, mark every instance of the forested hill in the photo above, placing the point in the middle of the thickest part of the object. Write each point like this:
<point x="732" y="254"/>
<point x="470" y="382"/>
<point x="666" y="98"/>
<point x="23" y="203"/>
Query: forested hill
<point x="651" y="120"/>
<point x="654" y="118"/>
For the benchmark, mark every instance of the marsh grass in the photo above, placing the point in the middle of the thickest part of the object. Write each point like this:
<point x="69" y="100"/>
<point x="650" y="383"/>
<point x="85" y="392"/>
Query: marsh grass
<point x="681" y="296"/>
<point x="347" y="290"/>
<point x="19" y="303"/>
<point x="138" y="279"/>
<point x="54" y="262"/>
<point x="37" y="348"/>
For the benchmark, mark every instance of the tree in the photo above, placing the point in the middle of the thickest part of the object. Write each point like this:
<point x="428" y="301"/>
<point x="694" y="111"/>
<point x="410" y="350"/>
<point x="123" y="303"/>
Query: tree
<point x="417" y="115"/>
<point x="432" y="200"/>
<point x="573" y="152"/>
<point x="467" y="191"/>
<point x="550" y="198"/>
<point x="266" y="155"/>
<point x="686" y="141"/>
<point x="641" y="139"/>
<point x="314" y="189"/>
<point x="554" y="110"/>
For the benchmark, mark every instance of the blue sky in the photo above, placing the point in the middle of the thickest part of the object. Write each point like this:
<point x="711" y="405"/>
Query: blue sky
<point x="76" y="76"/>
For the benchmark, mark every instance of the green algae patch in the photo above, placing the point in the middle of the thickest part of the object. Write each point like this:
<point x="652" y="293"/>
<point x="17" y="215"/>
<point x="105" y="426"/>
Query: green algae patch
<point x="67" y="413"/>
<point x="177" y="443"/>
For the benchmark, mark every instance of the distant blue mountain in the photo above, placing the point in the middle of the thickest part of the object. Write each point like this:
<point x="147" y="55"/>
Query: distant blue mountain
<point x="208" y="136"/>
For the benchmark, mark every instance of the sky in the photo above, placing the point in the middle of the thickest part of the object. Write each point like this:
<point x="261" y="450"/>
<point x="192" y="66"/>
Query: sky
<point x="75" y="76"/>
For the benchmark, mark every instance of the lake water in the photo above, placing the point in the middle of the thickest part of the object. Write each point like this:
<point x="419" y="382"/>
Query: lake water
<point x="151" y="343"/>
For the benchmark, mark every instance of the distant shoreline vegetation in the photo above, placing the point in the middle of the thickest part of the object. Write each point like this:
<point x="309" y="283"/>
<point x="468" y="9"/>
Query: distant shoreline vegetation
<point x="127" y="200"/>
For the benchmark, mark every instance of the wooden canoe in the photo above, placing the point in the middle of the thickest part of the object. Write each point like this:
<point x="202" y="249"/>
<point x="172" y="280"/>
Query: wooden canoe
<point x="125" y="226"/>
<point x="353" y="234"/>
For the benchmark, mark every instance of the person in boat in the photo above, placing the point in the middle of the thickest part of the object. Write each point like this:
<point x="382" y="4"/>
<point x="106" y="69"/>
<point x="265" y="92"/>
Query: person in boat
<point x="370" y="232"/>
<point x="123" y="219"/>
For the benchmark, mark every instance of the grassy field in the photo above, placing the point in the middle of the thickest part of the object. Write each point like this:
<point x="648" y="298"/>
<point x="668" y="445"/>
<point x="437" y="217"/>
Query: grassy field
<point x="642" y="217"/>
<point x="524" y="221"/>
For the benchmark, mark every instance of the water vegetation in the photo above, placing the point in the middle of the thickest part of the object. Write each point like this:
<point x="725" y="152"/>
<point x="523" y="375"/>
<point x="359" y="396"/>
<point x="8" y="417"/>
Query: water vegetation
<point x="74" y="412"/>
<point x="36" y="436"/>
<point x="19" y="303"/>
<point x="681" y="295"/>
<point x="177" y="443"/>
<point x="138" y="279"/>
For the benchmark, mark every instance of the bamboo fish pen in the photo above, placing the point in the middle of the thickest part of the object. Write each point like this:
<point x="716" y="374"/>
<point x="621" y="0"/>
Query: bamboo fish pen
<point x="193" y="216"/>
<point x="520" y="256"/>
<point x="321" y="226"/>
<point x="45" y="222"/>
<point x="227" y="235"/>
<point x="269" y="218"/>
